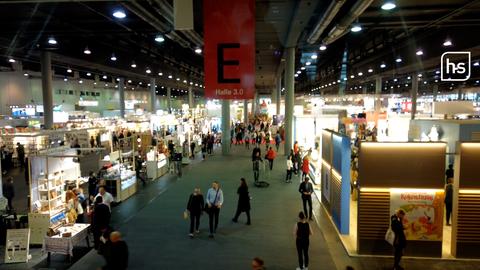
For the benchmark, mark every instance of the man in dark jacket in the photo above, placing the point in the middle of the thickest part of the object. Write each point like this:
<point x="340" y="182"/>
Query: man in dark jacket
<point x="21" y="154"/>
<point x="195" y="207"/>
<point x="306" y="189"/>
<point x="100" y="219"/>
<point x="400" y="241"/>
<point x="448" y="199"/>
<point x="116" y="253"/>
<point x="9" y="192"/>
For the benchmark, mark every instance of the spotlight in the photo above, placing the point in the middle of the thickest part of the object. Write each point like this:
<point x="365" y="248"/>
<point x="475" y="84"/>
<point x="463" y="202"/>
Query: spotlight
<point x="356" y="28"/>
<point x="119" y="14"/>
<point x="133" y="65"/>
<point x="198" y="50"/>
<point x="52" y="41"/>
<point x="389" y="5"/>
<point x="419" y="52"/>
<point x="323" y="47"/>
<point x="113" y="57"/>
<point x="87" y="51"/>
<point x="159" y="38"/>
<point x="447" y="43"/>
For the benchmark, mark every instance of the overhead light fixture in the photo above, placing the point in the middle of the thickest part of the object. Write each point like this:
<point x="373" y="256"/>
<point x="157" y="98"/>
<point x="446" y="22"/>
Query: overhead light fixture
<point x="323" y="47"/>
<point x="383" y="65"/>
<point x="170" y="76"/>
<point x="118" y="79"/>
<point x="196" y="84"/>
<point x="25" y="74"/>
<point x="409" y="78"/>
<point x="356" y="28"/>
<point x="389" y="5"/>
<point x="160" y="74"/>
<point x="87" y="51"/>
<point x="11" y="60"/>
<point x="352" y="76"/>
<point x="437" y="72"/>
<point x="65" y="79"/>
<point x="184" y="81"/>
<point x="148" y="71"/>
<point x="314" y="56"/>
<point x="94" y="83"/>
<point x="476" y="64"/>
<point x="398" y="60"/>
<point x="296" y="75"/>
<point x="129" y="81"/>
<point x="89" y="74"/>
<point x="159" y="38"/>
<point x="420" y="75"/>
<point x="52" y="41"/>
<point x="191" y="83"/>
<point x="69" y="70"/>
<point x="140" y="83"/>
<point x="360" y="74"/>
<point x="80" y="82"/>
<point x="133" y="65"/>
<point x="370" y="70"/>
<point x="447" y="43"/>
<point x="106" y="85"/>
<point x="198" y="50"/>
<point x="302" y="68"/>
<point x="119" y="14"/>
<point x="113" y="58"/>
<point x="308" y="63"/>
<point x="298" y="72"/>
<point x="104" y="77"/>
<point x="419" y="52"/>
<point x="178" y="79"/>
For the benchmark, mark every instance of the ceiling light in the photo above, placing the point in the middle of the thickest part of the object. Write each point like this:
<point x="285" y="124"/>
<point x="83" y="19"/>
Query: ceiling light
<point x="113" y="58"/>
<point x="118" y="79"/>
<point x="420" y="75"/>
<point x="408" y="78"/>
<point x="184" y="81"/>
<point x="170" y="76"/>
<point x="69" y="70"/>
<point x="178" y="79"/>
<point x="345" y="78"/>
<point x="160" y="74"/>
<point x="356" y="28"/>
<point x="106" y="85"/>
<point x="308" y="63"/>
<point x="65" y="79"/>
<point x="25" y="74"/>
<point x="198" y="50"/>
<point x="52" y="41"/>
<point x="323" y="47"/>
<point x="360" y="74"/>
<point x="129" y="81"/>
<point x="383" y="65"/>
<point x="87" y="51"/>
<point x="419" y="52"/>
<point x="119" y="14"/>
<point x="104" y="77"/>
<point x="398" y="60"/>
<point x="389" y="5"/>
<point x="437" y="72"/>
<point x="370" y="70"/>
<point x="133" y="65"/>
<point x="196" y="84"/>
<point x="314" y="56"/>
<point x="159" y="38"/>
<point x="148" y="71"/>
<point x="191" y="83"/>
<point x="80" y="81"/>
<point x="298" y="72"/>
<point x="476" y="64"/>
<point x="302" y="68"/>
<point x="352" y="76"/>
<point x="395" y="80"/>
<point x="89" y="74"/>
<point x="447" y="43"/>
<point x="11" y="60"/>
<point x="296" y="75"/>
<point x="140" y="83"/>
<point x="148" y="84"/>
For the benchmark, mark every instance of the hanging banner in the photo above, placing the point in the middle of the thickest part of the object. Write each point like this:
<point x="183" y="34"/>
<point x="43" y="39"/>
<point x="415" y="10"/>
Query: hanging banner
<point x="229" y="37"/>
<point x="423" y="212"/>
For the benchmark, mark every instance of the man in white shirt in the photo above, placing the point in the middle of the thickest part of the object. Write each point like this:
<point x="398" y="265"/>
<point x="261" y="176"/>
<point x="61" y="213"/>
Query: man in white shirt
<point x="107" y="197"/>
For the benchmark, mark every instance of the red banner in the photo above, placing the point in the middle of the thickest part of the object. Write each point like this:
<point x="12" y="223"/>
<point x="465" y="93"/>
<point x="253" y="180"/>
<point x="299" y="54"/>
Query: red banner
<point x="229" y="35"/>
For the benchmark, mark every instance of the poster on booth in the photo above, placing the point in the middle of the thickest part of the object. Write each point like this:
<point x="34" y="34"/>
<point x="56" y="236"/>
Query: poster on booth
<point x="229" y="38"/>
<point x="326" y="183"/>
<point x="17" y="246"/>
<point x="423" y="212"/>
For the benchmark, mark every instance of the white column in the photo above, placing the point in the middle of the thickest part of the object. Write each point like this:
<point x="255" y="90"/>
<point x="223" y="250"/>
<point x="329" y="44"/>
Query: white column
<point x="169" y="99"/>
<point x="121" y="89"/>
<point x="190" y="97"/>
<point x="153" y="96"/>
<point x="245" y="111"/>
<point x="278" y="97"/>
<point x="225" y="127"/>
<point x="47" y="92"/>
<point x="414" y="92"/>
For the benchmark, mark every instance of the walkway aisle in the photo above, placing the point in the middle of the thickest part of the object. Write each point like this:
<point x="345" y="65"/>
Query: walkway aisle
<point x="157" y="234"/>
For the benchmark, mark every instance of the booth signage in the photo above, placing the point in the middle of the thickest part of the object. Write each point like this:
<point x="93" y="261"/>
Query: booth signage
<point x="17" y="246"/>
<point x="229" y="49"/>
<point x="423" y="212"/>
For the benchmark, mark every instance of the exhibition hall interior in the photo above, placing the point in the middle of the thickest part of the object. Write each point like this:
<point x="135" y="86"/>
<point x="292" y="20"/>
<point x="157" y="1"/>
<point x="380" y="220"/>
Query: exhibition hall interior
<point x="240" y="134"/>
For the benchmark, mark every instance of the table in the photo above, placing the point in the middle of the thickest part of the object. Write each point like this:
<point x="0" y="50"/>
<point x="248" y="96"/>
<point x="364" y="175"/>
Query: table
<point x="64" y="245"/>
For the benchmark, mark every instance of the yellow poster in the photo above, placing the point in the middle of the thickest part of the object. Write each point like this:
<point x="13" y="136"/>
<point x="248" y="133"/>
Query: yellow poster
<point x="423" y="212"/>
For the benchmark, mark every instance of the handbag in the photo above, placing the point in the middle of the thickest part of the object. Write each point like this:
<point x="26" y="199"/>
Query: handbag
<point x="390" y="236"/>
<point x="206" y="208"/>
<point x="185" y="214"/>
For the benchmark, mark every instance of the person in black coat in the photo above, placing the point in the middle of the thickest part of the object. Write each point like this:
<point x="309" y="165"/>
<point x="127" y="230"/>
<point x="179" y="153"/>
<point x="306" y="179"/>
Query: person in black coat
<point x="400" y="241"/>
<point x="448" y="199"/>
<point x="116" y="253"/>
<point x="243" y="201"/>
<point x="9" y="192"/>
<point x="195" y="207"/>
<point x="100" y="219"/>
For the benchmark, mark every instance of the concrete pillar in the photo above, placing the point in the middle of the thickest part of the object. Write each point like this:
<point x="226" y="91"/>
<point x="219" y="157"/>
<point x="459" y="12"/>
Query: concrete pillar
<point x="278" y="97"/>
<point x="435" y="92"/>
<point x="153" y="96"/>
<point x="121" y="89"/>
<point x="378" y="93"/>
<point x="47" y="92"/>
<point x="245" y="111"/>
<point x="289" y="97"/>
<point x="414" y="92"/>
<point x="225" y="127"/>
<point x="254" y="103"/>
<point x="190" y="97"/>
<point x="460" y="92"/>
<point x="169" y="99"/>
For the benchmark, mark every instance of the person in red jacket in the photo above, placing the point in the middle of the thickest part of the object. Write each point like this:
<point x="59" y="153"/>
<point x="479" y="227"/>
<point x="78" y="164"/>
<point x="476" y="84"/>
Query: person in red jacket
<point x="305" y="167"/>
<point x="271" y="155"/>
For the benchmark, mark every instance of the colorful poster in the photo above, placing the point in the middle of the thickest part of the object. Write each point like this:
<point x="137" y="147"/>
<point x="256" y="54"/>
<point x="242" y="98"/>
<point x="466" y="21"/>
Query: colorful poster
<point x="229" y="49"/>
<point x="423" y="212"/>
<point x="326" y="182"/>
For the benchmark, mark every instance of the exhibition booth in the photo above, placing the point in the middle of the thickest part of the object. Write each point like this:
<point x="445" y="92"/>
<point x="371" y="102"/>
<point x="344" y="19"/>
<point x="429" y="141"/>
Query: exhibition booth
<point x="118" y="171"/>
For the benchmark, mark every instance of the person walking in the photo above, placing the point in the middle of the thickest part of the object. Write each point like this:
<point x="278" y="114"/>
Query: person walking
<point x="195" y="208"/>
<point x="258" y="264"/>
<point x="247" y="140"/>
<point x="9" y="192"/>
<point x="449" y="173"/>
<point x="288" y="179"/>
<point x="302" y="232"/>
<point x="92" y="186"/>
<point x="214" y="203"/>
<point x="256" y="165"/>
<point x="448" y="199"/>
<point x="243" y="201"/>
<point x="192" y="149"/>
<point x="116" y="253"/>
<point x="271" y="155"/>
<point x="100" y="219"/>
<point x="306" y="189"/>
<point x="305" y="167"/>
<point x="21" y="155"/>
<point x="278" y="140"/>
<point x="400" y="241"/>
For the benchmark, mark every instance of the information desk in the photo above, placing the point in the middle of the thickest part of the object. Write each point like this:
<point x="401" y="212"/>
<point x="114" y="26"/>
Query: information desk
<point x="122" y="186"/>
<point x="64" y="245"/>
